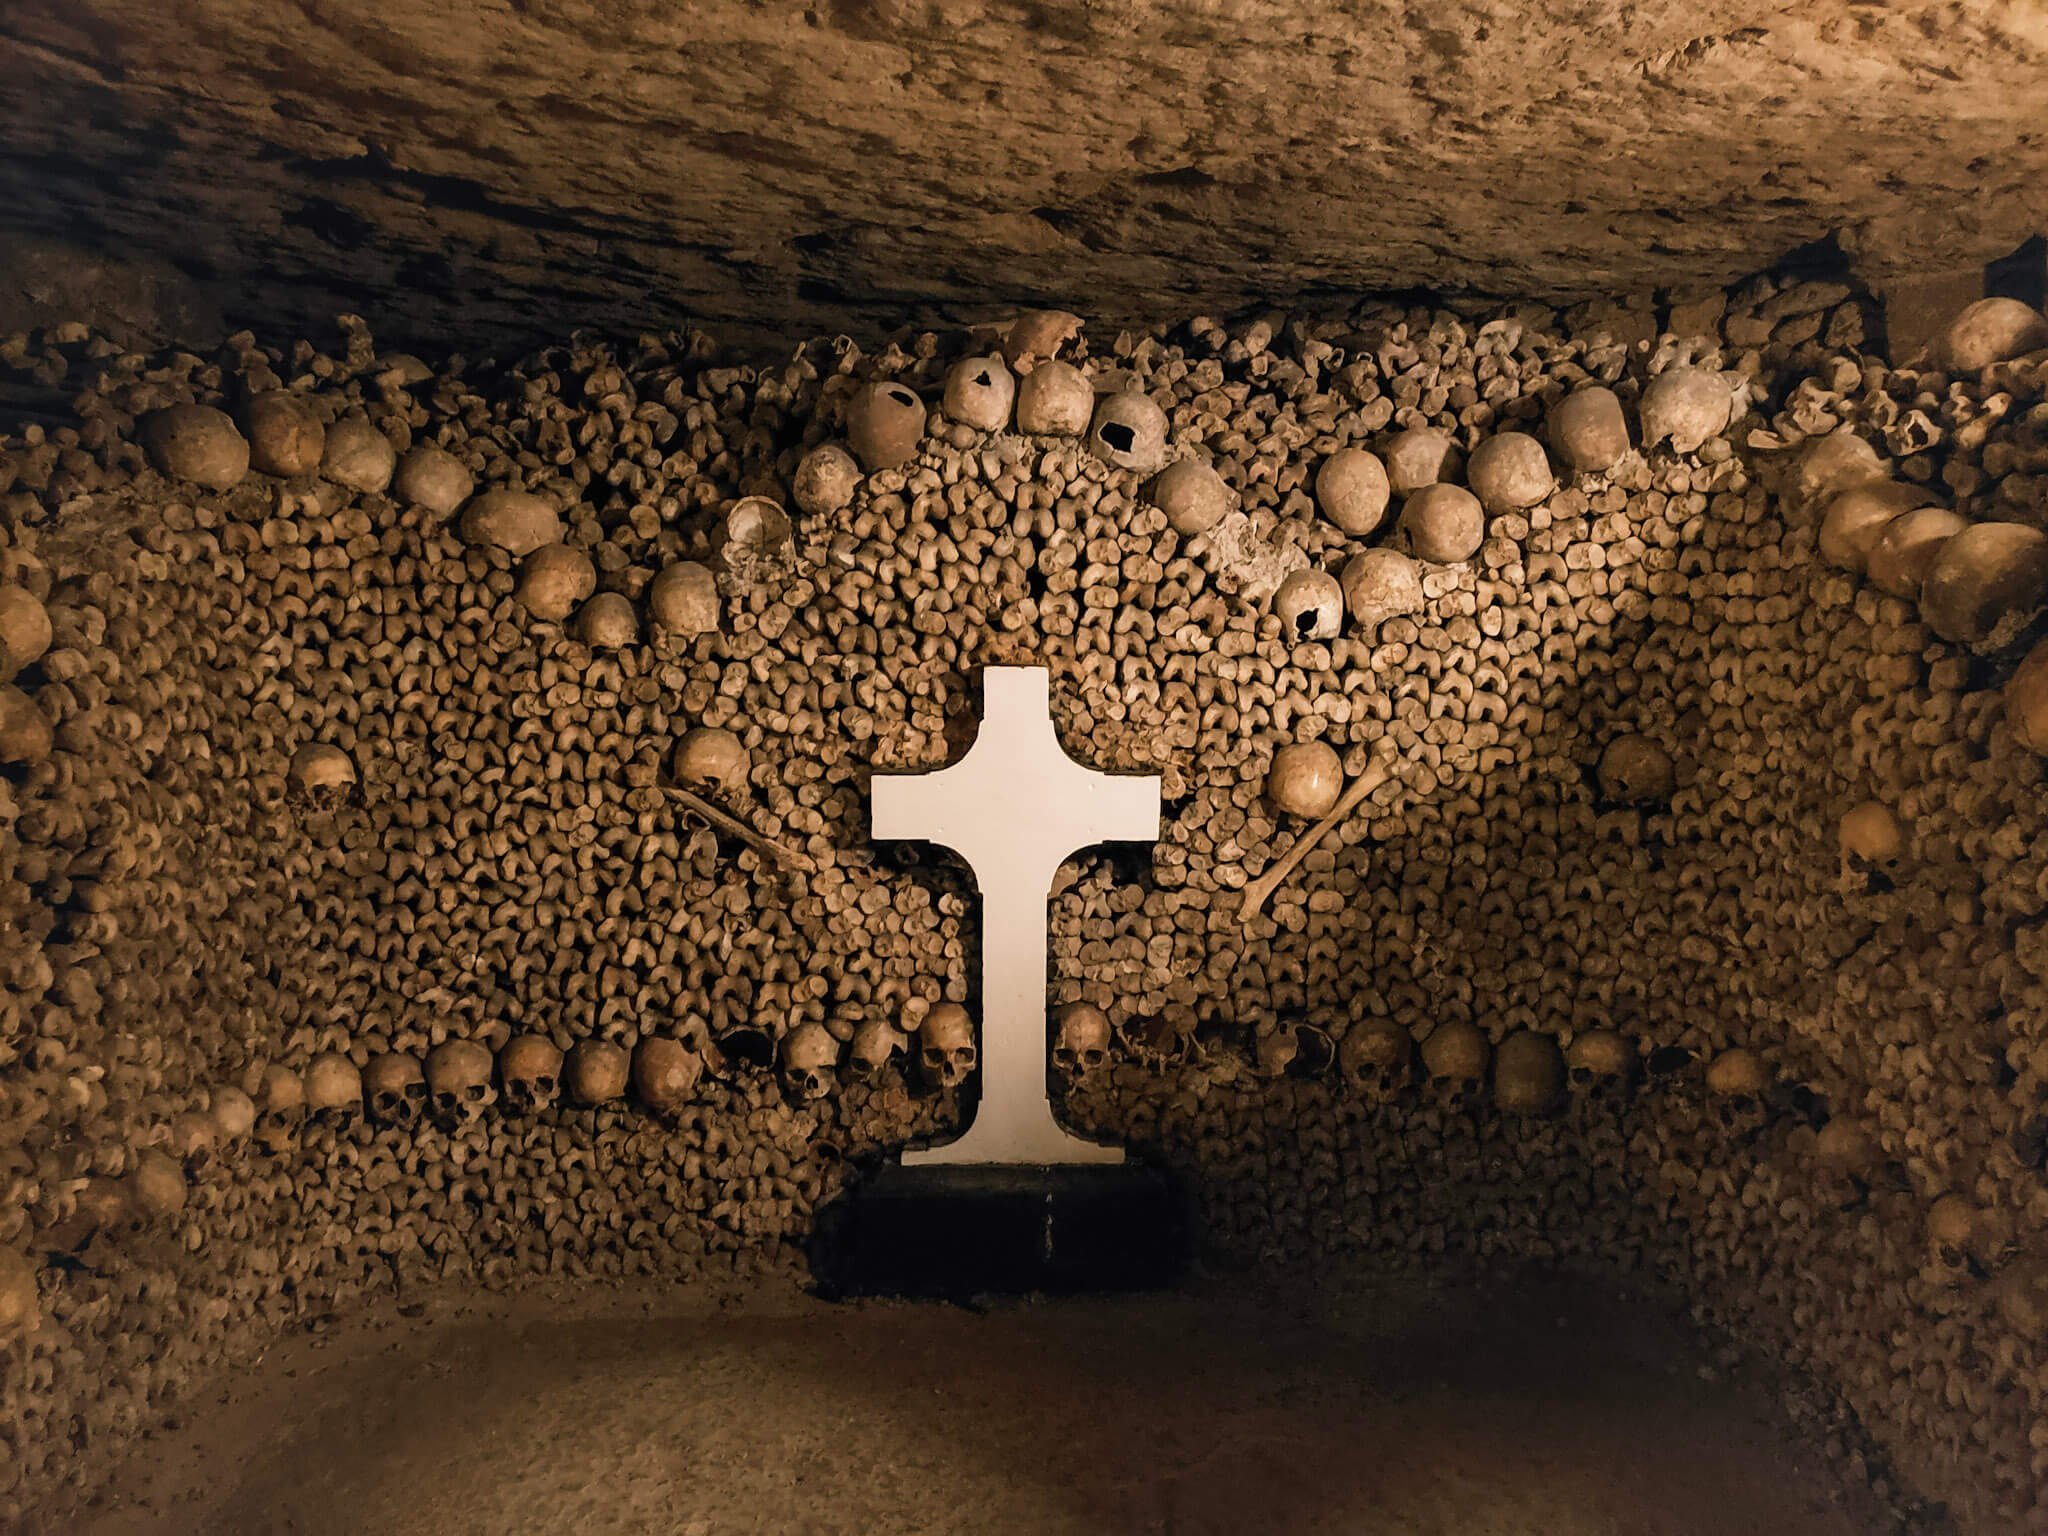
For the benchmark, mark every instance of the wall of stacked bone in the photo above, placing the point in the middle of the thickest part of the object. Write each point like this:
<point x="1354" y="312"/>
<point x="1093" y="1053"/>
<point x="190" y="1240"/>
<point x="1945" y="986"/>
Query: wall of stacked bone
<point x="1601" y="823"/>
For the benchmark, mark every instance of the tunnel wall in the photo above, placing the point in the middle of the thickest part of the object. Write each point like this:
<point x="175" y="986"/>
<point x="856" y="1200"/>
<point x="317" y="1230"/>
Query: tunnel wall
<point x="1819" y="1047"/>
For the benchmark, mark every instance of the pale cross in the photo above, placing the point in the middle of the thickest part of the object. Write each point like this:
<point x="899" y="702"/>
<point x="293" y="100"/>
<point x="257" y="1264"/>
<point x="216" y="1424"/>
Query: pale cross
<point x="1014" y="808"/>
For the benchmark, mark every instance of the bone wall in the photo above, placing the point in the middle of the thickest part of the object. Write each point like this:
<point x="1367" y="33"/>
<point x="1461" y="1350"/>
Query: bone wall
<point x="1690" y="934"/>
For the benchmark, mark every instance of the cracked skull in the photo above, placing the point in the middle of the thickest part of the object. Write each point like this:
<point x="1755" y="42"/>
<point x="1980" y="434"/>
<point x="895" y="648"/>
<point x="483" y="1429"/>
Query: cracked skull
<point x="877" y="1046"/>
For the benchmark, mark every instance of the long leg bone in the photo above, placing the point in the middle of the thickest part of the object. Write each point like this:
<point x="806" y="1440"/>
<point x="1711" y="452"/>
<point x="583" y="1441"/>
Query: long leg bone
<point x="766" y="847"/>
<point x="1376" y="773"/>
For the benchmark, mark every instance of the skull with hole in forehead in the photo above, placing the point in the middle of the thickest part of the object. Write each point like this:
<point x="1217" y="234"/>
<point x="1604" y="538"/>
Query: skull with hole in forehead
<point x="530" y="1073"/>
<point x="334" y="1091"/>
<point x="945" y="1045"/>
<point x="1082" y="1045"/>
<point x="877" y="1046"/>
<point x="1375" y="1057"/>
<point x="810" y="1061"/>
<point x="459" y="1082"/>
<point x="395" y="1088"/>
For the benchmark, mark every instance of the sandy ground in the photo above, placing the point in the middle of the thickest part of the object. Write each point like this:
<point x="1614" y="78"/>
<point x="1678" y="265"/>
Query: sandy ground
<point x="1540" y="1411"/>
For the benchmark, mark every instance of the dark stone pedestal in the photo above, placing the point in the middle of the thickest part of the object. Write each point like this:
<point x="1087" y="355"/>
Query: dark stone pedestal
<point x="957" y="1232"/>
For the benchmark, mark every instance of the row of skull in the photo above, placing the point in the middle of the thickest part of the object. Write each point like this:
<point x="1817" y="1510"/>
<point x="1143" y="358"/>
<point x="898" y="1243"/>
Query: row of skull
<point x="458" y="1080"/>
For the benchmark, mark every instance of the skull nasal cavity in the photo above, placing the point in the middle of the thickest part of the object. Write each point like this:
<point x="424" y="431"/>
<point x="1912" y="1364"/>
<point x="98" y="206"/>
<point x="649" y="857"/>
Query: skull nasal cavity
<point x="1118" y="436"/>
<point x="983" y="379"/>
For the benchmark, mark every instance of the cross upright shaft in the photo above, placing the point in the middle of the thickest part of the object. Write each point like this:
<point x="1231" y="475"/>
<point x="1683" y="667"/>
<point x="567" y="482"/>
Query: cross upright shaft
<point x="1015" y="807"/>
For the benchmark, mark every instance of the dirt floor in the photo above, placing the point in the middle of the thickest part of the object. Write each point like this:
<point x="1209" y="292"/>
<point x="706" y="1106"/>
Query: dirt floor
<point x="1540" y="1411"/>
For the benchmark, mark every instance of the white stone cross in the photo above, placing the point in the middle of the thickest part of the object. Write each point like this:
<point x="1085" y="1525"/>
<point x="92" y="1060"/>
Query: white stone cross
<point x="1014" y="808"/>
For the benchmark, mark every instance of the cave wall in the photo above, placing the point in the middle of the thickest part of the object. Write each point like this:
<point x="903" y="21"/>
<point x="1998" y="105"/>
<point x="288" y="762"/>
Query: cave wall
<point x="792" y="167"/>
<point x="192" y="913"/>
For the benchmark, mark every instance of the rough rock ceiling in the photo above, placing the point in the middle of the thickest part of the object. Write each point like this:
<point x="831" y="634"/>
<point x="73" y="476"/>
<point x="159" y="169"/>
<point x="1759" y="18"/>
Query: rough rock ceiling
<point x="484" y="172"/>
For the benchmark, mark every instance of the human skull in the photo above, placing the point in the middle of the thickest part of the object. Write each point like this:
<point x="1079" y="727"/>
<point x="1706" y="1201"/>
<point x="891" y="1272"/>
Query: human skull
<point x="607" y="622"/>
<point x="1417" y="457"/>
<point x="810" y="1061"/>
<point x="156" y="1185"/>
<point x="1685" y="406"/>
<point x="682" y="600"/>
<point x="755" y="540"/>
<point x="280" y="1107"/>
<point x="104" y="1205"/>
<point x="1129" y="432"/>
<point x="553" y="580"/>
<point x="1380" y="584"/>
<point x="1600" y="1059"/>
<point x="665" y="1072"/>
<point x="1991" y="331"/>
<point x="1509" y="472"/>
<point x="334" y="1091"/>
<point x="1082" y="1045"/>
<point x="530" y="1070"/>
<point x="826" y="480"/>
<point x="1528" y="1074"/>
<point x="321" y="775"/>
<point x="1193" y="497"/>
<point x="595" y="1072"/>
<point x="1375" y="1056"/>
<point x="709" y="757"/>
<point x="193" y="1138"/>
<point x="876" y="1044"/>
<point x="1872" y="842"/>
<point x="459" y="1082"/>
<point x="1455" y="1056"/>
<point x="885" y="424"/>
<point x="945" y="1042"/>
<point x="1054" y="400"/>
<point x="1738" y="1079"/>
<point x="1305" y="780"/>
<point x="1959" y="1235"/>
<point x="1037" y="335"/>
<point x="1846" y="1153"/>
<point x="979" y="392"/>
<point x="395" y="1088"/>
<point x="1352" y="491"/>
<point x="1310" y="606"/>
<point x="1588" y="429"/>
<point x="1443" y="523"/>
<point x="1634" y="770"/>
<point x="232" y="1111"/>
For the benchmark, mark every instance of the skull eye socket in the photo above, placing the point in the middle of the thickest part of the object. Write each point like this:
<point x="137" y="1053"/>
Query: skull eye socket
<point x="415" y="1090"/>
<point x="544" y="1083"/>
<point x="474" y="1093"/>
<point x="966" y="1055"/>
